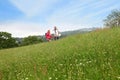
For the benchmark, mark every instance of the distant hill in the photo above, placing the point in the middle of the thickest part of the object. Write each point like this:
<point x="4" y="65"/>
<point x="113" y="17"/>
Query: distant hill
<point x="79" y="31"/>
<point x="63" y="34"/>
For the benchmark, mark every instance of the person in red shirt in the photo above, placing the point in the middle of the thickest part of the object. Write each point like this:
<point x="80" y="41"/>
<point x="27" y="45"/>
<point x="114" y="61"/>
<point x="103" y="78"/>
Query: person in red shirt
<point x="48" y="36"/>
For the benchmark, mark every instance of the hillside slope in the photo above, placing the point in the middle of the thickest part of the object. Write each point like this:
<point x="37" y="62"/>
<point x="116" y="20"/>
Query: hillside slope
<point x="90" y="56"/>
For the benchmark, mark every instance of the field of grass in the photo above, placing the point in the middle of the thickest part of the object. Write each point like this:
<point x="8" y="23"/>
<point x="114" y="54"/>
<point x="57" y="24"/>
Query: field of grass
<point x="90" y="56"/>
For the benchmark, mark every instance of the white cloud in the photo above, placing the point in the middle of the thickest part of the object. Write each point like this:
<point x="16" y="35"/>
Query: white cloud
<point x="21" y="29"/>
<point x="100" y="12"/>
<point x="79" y="13"/>
<point x="70" y="17"/>
<point x="32" y="7"/>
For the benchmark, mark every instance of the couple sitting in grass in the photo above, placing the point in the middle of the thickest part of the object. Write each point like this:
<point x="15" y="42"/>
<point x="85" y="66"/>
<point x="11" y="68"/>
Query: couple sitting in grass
<point x="55" y="36"/>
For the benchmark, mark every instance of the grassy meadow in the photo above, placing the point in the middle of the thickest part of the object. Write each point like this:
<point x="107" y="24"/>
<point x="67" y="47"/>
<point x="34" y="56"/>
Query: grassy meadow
<point x="89" y="56"/>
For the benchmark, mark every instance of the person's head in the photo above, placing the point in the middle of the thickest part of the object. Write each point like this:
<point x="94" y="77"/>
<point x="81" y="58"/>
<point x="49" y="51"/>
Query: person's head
<point x="48" y="31"/>
<point x="55" y="28"/>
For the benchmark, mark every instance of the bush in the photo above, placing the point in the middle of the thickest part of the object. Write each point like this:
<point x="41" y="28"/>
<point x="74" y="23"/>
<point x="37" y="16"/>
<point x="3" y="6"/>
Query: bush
<point x="6" y="41"/>
<point x="31" y="40"/>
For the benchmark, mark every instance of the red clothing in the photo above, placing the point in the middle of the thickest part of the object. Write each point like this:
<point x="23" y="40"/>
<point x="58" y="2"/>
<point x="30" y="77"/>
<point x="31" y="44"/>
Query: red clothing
<point x="48" y="36"/>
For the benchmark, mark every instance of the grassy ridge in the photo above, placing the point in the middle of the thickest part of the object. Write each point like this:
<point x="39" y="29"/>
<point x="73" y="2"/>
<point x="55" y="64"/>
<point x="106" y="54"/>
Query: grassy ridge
<point x="91" y="56"/>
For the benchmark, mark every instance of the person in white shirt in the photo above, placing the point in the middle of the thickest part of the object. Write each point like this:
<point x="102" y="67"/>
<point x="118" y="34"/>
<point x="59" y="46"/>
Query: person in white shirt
<point x="56" y="33"/>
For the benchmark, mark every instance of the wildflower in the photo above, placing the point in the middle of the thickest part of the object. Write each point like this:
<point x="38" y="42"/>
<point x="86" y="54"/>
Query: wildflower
<point x="61" y="64"/>
<point x="26" y="78"/>
<point x="55" y="69"/>
<point x="56" y="78"/>
<point x="50" y="78"/>
<point x="70" y="64"/>
<point x="80" y="63"/>
<point x="88" y="62"/>
<point x="118" y="77"/>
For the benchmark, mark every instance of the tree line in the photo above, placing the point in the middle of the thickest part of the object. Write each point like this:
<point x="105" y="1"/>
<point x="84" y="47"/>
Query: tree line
<point x="7" y="41"/>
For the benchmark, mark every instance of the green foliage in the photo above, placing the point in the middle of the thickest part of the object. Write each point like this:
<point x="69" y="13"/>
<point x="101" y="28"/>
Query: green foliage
<point x="6" y="41"/>
<point x="31" y="40"/>
<point x="90" y="56"/>
<point x="113" y="19"/>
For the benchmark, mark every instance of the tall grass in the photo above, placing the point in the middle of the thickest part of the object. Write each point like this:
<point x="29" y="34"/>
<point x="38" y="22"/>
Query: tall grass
<point x="90" y="56"/>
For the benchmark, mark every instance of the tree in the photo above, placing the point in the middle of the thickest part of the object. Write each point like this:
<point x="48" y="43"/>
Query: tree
<point x="6" y="41"/>
<point x="31" y="40"/>
<point x="113" y="19"/>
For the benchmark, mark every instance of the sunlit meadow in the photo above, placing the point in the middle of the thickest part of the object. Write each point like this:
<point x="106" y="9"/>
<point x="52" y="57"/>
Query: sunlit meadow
<point x="89" y="56"/>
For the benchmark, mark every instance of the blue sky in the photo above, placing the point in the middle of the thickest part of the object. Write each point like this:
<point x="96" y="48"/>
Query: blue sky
<point x="34" y="17"/>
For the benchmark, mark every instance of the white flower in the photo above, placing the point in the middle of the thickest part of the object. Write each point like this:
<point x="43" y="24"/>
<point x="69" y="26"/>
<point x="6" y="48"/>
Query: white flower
<point x="70" y="64"/>
<point x="80" y="63"/>
<point x="88" y="62"/>
<point x="26" y="78"/>
<point x="56" y="78"/>
<point x="61" y="64"/>
<point x="118" y="77"/>
<point x="55" y="69"/>
<point x="50" y="78"/>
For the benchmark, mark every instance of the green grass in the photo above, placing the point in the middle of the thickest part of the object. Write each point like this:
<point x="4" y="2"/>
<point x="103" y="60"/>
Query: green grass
<point x="90" y="56"/>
